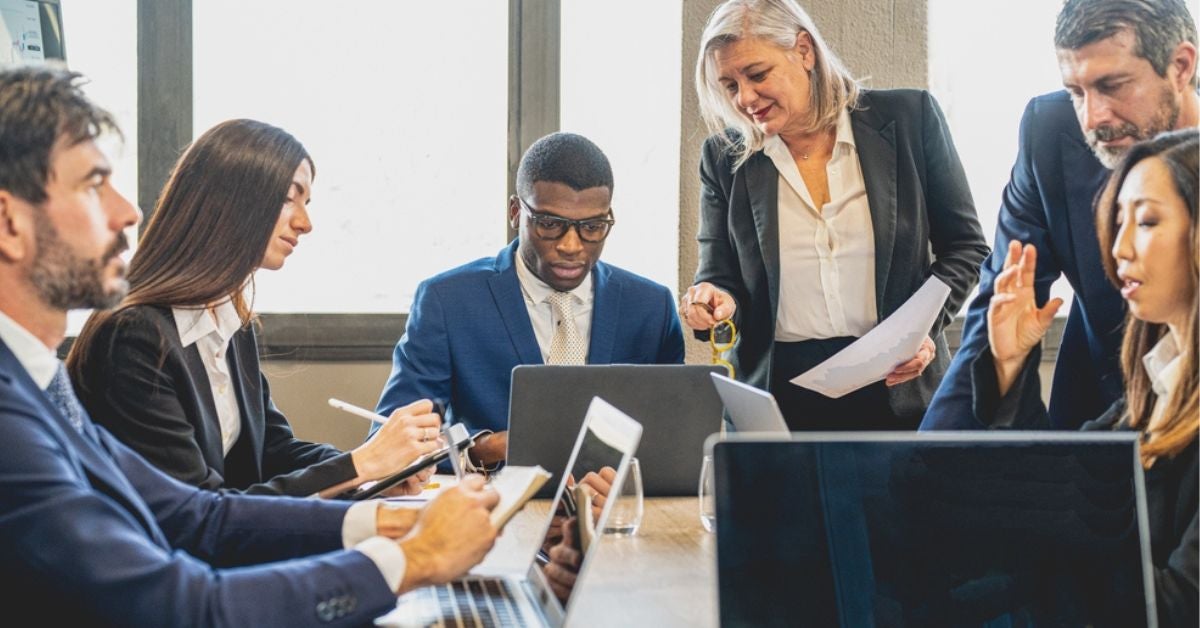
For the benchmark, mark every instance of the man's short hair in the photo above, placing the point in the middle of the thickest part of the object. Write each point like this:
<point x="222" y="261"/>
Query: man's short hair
<point x="38" y="104"/>
<point x="1158" y="26"/>
<point x="567" y="158"/>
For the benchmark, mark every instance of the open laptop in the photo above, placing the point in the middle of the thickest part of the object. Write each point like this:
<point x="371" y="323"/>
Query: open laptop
<point x="906" y="529"/>
<point x="750" y="409"/>
<point x="607" y="438"/>
<point x="676" y="405"/>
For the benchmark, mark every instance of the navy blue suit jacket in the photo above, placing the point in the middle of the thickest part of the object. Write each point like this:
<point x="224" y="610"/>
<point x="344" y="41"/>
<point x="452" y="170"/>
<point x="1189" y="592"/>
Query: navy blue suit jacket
<point x="1048" y="203"/>
<point x="469" y="327"/>
<point x="92" y="534"/>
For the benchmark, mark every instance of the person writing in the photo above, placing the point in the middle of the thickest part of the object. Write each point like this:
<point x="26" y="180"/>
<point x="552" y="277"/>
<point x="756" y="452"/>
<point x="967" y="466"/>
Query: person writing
<point x="173" y="371"/>
<point x="1146" y="219"/>
<point x="89" y="530"/>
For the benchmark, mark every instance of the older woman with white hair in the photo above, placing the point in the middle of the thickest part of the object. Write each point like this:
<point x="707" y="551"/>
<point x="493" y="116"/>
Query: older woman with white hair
<point x="825" y="206"/>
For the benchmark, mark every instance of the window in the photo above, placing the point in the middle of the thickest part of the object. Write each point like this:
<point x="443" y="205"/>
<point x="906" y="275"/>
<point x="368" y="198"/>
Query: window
<point x="403" y="106"/>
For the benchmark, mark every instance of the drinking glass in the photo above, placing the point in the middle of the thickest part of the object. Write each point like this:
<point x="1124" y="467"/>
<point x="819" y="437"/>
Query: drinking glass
<point x="708" y="503"/>
<point x="626" y="513"/>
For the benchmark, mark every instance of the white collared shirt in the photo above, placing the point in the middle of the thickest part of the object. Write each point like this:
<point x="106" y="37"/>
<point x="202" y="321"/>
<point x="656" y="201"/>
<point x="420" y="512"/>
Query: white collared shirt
<point x="211" y="334"/>
<point x="542" y="315"/>
<point x="826" y="254"/>
<point x="1162" y="366"/>
<point x="358" y="527"/>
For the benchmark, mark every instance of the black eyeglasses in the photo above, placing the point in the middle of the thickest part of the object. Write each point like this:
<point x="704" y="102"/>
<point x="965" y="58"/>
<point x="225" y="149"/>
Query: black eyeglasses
<point x="549" y="227"/>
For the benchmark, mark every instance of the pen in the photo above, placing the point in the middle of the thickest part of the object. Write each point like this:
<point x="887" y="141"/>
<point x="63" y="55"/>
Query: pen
<point x="357" y="411"/>
<point x="455" y="452"/>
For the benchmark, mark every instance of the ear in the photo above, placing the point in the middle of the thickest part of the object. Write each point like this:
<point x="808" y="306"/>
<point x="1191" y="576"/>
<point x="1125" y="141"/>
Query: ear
<point x="804" y="48"/>
<point x="514" y="212"/>
<point x="1183" y="62"/>
<point x="15" y="227"/>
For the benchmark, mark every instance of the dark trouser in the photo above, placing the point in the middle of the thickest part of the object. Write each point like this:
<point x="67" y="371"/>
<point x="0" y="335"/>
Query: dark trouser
<point x="805" y="410"/>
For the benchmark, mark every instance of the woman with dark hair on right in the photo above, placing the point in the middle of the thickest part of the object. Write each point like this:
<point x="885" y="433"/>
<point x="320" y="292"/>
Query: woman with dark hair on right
<point x="1146" y="218"/>
<point x="173" y="371"/>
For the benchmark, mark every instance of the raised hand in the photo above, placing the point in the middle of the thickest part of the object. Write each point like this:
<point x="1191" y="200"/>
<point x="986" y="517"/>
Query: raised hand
<point x="1015" y="323"/>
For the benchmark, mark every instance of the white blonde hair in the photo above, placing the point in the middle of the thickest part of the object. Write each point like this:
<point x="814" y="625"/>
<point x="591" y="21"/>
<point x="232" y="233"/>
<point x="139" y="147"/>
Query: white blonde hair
<point x="778" y="22"/>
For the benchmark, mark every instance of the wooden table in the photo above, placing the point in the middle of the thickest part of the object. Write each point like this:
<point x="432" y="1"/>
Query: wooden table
<point x="665" y="575"/>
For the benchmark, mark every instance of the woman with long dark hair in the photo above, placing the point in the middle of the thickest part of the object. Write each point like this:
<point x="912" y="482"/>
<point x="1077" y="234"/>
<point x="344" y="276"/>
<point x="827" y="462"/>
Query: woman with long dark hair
<point x="1146" y="218"/>
<point x="173" y="371"/>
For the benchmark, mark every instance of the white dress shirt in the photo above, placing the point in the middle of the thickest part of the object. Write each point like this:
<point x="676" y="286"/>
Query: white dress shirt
<point x="826" y="254"/>
<point x="1162" y="366"/>
<point x="542" y="314"/>
<point x="358" y="527"/>
<point x="211" y="334"/>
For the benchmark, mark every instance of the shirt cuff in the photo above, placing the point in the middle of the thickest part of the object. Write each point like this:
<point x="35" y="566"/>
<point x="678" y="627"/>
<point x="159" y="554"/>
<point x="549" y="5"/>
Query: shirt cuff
<point x="359" y="524"/>
<point x="388" y="558"/>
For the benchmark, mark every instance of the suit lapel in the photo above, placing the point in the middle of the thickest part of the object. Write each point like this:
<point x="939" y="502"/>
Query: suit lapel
<point x="250" y="441"/>
<point x="606" y="313"/>
<point x="506" y="293"/>
<point x="876" y="145"/>
<point x="763" y="178"/>
<point x="1080" y="185"/>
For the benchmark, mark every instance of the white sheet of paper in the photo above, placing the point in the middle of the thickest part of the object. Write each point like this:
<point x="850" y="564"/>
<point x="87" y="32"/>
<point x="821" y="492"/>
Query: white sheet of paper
<point x="888" y="345"/>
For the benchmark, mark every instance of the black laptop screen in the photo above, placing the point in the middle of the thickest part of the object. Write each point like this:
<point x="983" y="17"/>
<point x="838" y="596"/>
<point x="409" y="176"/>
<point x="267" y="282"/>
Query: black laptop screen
<point x="912" y="532"/>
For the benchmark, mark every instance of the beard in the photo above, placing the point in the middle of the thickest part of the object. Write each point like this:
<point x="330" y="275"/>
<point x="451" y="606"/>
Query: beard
<point x="1163" y="119"/>
<point x="65" y="281"/>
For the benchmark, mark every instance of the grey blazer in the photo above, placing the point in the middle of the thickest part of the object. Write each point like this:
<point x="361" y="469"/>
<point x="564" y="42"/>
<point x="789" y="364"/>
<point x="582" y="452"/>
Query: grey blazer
<point x="922" y="216"/>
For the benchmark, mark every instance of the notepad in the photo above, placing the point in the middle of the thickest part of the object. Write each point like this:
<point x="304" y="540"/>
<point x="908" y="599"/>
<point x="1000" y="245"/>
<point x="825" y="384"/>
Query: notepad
<point x="516" y="485"/>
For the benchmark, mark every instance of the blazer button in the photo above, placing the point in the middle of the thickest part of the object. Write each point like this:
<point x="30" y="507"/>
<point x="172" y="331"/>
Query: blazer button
<point x="325" y="612"/>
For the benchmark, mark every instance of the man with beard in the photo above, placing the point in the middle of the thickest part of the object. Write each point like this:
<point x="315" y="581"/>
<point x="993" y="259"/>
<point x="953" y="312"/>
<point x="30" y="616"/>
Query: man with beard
<point x="1129" y="69"/>
<point x="90" y="532"/>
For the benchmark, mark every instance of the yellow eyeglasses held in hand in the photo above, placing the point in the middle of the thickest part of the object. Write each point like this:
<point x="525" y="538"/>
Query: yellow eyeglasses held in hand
<point x="722" y="337"/>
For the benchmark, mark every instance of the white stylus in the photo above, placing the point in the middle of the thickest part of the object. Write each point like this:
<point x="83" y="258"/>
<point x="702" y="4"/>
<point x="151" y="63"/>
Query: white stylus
<point x="357" y="411"/>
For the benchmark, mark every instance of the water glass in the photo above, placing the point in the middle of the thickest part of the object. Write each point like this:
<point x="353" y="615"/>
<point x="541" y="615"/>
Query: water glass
<point x="626" y="513"/>
<point x="708" y="502"/>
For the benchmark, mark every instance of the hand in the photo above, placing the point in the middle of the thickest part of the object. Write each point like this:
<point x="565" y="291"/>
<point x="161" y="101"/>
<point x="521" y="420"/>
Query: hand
<point x="414" y="485"/>
<point x="394" y="520"/>
<point x="1015" y="323"/>
<point x="914" y="367"/>
<point x="453" y="533"/>
<point x="564" y="562"/>
<point x="601" y="484"/>
<point x="410" y="432"/>
<point x="490" y="449"/>
<point x="704" y="304"/>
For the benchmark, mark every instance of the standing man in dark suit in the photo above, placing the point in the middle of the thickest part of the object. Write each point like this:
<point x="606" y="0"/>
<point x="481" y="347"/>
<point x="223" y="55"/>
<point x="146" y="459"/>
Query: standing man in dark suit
<point x="545" y="299"/>
<point x="1129" y="69"/>
<point x="823" y="211"/>
<point x="90" y="533"/>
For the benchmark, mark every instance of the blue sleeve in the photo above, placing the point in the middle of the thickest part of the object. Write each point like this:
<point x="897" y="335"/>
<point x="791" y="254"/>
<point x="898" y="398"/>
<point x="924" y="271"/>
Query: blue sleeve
<point x="1022" y="218"/>
<point x="421" y="362"/>
<point x="671" y="350"/>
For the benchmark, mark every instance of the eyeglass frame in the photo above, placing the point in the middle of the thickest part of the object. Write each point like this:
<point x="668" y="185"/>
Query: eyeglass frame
<point x="570" y="224"/>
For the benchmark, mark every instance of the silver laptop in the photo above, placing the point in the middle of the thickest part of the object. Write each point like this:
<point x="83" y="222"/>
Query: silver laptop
<point x="608" y="438"/>
<point x="750" y="409"/>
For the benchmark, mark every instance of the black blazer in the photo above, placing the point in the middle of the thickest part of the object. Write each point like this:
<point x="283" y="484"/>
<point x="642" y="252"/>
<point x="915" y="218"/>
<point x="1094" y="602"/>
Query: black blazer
<point x="153" y="394"/>
<point x="922" y="216"/>
<point x="1172" y="484"/>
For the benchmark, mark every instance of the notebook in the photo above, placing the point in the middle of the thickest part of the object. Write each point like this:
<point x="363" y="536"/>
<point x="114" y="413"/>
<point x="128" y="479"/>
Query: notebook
<point x="607" y="438"/>
<point x="916" y="529"/>
<point x="676" y="405"/>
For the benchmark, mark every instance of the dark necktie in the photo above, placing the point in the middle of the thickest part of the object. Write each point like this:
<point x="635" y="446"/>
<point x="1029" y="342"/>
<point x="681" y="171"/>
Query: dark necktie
<point x="62" y="395"/>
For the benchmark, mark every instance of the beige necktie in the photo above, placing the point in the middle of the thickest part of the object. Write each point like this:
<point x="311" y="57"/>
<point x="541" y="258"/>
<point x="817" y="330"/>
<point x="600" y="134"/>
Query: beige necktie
<point x="567" y="347"/>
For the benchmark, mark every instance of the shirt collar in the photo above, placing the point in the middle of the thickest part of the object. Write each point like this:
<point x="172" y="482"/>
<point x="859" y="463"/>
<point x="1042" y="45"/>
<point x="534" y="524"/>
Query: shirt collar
<point x="196" y="323"/>
<point x="1162" y="365"/>
<point x="537" y="291"/>
<point x="35" y="357"/>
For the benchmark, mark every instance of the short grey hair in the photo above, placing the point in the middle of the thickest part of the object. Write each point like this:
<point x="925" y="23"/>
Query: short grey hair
<point x="778" y="22"/>
<point x="1158" y="27"/>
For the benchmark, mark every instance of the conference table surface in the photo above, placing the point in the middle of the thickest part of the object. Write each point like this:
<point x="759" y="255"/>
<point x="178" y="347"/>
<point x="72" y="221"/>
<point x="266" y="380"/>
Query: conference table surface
<point x="665" y="575"/>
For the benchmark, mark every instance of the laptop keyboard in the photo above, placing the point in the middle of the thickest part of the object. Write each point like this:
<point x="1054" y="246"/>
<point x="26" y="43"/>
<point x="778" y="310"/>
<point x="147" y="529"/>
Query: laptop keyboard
<point x="474" y="602"/>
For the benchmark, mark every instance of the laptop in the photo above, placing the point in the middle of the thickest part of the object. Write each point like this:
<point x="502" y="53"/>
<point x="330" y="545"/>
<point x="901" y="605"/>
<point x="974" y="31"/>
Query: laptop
<point x="908" y="529"/>
<point x="607" y="438"/>
<point x="750" y="409"/>
<point x="676" y="405"/>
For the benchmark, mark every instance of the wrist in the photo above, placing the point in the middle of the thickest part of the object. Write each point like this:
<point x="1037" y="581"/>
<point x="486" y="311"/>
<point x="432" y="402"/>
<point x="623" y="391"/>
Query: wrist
<point x="394" y="522"/>
<point x="420" y="565"/>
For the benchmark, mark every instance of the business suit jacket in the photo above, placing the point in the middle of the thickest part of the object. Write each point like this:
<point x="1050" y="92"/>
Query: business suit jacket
<point x="1048" y="203"/>
<point x="93" y="535"/>
<point x="140" y="382"/>
<point x="918" y="198"/>
<point x="1172" y="488"/>
<point x="469" y="327"/>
